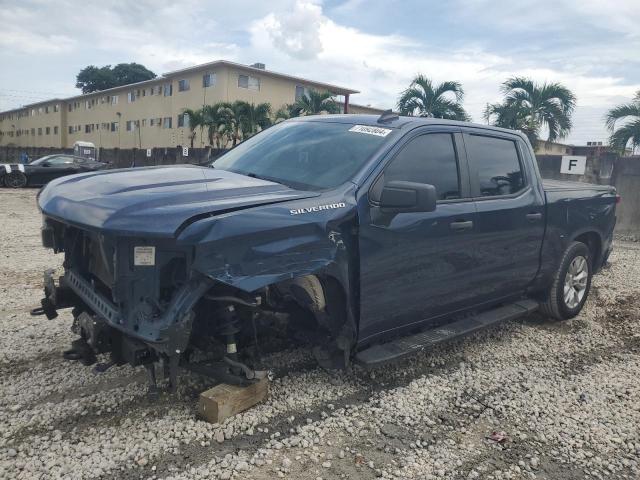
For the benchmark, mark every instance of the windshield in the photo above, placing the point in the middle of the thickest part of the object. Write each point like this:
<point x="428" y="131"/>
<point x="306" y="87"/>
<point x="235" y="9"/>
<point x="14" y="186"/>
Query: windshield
<point x="306" y="155"/>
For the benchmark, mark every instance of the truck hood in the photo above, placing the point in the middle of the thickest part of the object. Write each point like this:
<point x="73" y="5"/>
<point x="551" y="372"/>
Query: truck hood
<point x="155" y="201"/>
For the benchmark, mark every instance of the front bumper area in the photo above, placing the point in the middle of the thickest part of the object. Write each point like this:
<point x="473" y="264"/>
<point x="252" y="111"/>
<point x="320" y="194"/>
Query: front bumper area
<point x="166" y="333"/>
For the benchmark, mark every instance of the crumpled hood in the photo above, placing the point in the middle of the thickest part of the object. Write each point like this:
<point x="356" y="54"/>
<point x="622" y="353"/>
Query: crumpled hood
<point x="155" y="201"/>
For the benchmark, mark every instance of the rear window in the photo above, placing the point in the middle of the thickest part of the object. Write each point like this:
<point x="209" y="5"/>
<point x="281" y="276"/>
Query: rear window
<point x="497" y="165"/>
<point x="306" y="155"/>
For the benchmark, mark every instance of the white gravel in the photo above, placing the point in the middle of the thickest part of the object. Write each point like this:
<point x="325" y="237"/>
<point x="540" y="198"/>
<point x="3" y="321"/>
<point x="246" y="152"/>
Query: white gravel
<point x="566" y="395"/>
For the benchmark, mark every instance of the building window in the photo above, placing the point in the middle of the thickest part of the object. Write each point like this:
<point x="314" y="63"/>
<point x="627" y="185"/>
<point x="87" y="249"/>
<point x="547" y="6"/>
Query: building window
<point x="168" y="89"/>
<point x="131" y="97"/>
<point x="249" y="82"/>
<point x="183" y="85"/>
<point x="47" y="131"/>
<point x="114" y="126"/>
<point x="208" y="80"/>
<point x="129" y="125"/>
<point x="33" y="131"/>
<point x="144" y="92"/>
<point x="56" y="107"/>
<point x="152" y="122"/>
<point x="46" y="109"/>
<point x="167" y="122"/>
<point x="114" y="100"/>
<point x="301" y="92"/>
<point x="40" y="131"/>
<point x="55" y="130"/>
<point x="144" y="122"/>
<point x="183" y="120"/>
<point x="88" y="128"/>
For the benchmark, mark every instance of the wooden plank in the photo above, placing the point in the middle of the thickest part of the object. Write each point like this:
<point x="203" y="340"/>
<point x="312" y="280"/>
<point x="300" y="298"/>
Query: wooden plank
<point x="224" y="401"/>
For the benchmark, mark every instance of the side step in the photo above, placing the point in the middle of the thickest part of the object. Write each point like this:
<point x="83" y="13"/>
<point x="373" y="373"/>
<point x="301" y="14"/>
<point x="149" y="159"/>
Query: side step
<point x="382" y="353"/>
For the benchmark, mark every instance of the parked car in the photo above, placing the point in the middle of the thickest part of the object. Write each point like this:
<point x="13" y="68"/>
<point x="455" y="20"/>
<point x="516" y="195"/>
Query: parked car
<point x="44" y="169"/>
<point x="367" y="238"/>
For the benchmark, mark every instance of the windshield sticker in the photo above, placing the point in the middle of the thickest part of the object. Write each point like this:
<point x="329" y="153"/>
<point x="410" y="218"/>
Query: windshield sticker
<point x="377" y="131"/>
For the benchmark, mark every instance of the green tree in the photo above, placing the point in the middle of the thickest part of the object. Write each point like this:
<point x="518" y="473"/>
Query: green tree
<point x="285" y="112"/>
<point x="196" y="121"/>
<point x="424" y="99"/>
<point x="259" y="118"/>
<point x="627" y="134"/>
<point x="218" y="120"/>
<point x="532" y="107"/>
<point x="313" y="103"/>
<point x="93" y="79"/>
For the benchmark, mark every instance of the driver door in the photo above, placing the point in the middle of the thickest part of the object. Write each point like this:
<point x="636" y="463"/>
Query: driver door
<point x="418" y="266"/>
<point x="56" y="167"/>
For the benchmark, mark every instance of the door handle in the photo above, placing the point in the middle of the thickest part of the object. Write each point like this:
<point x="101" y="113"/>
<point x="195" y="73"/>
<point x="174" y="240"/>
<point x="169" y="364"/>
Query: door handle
<point x="461" y="225"/>
<point x="534" y="217"/>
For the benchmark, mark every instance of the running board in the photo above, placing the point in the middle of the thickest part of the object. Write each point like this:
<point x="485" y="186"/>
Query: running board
<point x="386" y="352"/>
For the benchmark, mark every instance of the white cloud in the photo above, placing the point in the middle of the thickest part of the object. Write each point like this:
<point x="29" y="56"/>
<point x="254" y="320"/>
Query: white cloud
<point x="297" y="33"/>
<point x="383" y="65"/>
<point x="297" y="37"/>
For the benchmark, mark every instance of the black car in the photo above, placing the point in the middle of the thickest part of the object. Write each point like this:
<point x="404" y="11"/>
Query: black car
<point x="43" y="170"/>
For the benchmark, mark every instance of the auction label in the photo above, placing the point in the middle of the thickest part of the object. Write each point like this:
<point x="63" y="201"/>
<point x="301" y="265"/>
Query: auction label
<point x="378" y="131"/>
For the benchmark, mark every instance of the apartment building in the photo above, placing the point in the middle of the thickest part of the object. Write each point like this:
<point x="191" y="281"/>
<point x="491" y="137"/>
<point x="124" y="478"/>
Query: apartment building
<point x="150" y="113"/>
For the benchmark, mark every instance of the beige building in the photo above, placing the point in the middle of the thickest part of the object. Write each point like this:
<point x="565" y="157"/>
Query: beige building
<point x="149" y="114"/>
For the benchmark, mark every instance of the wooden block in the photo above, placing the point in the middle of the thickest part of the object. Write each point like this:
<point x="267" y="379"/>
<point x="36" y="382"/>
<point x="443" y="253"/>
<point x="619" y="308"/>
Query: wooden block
<point x="224" y="401"/>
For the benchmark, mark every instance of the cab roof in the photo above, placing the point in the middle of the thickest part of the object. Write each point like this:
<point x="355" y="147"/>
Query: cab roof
<point x="399" y="122"/>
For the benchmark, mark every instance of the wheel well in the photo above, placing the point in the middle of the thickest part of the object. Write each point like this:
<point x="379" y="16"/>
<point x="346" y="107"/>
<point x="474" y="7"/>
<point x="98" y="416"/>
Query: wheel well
<point x="591" y="240"/>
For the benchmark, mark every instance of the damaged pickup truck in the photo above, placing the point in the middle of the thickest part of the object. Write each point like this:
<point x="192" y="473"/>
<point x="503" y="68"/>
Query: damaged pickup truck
<point x="365" y="238"/>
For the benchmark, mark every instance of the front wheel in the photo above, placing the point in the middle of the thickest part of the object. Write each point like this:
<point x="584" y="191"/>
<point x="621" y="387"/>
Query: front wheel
<point x="15" y="180"/>
<point x="571" y="283"/>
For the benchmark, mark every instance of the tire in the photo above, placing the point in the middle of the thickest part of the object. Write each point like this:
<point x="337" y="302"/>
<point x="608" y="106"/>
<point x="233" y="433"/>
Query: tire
<point x="571" y="283"/>
<point x="15" y="180"/>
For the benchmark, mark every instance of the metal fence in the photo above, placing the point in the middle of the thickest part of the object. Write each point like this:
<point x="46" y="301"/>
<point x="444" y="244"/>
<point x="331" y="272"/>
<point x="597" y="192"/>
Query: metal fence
<point x="122" y="157"/>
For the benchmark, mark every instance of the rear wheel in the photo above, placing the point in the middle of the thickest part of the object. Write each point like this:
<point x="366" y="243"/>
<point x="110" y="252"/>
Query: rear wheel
<point x="571" y="283"/>
<point x="15" y="180"/>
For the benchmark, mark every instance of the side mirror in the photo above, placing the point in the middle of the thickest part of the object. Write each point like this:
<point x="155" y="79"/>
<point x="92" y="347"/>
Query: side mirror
<point x="399" y="196"/>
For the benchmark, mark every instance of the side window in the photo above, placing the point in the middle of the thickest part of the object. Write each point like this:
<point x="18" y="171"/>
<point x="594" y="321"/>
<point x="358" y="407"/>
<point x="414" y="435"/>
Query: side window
<point x="497" y="165"/>
<point x="60" y="161"/>
<point x="429" y="158"/>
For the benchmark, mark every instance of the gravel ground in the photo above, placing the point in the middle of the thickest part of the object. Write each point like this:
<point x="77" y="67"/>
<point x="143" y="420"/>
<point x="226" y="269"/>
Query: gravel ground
<point x="565" y="395"/>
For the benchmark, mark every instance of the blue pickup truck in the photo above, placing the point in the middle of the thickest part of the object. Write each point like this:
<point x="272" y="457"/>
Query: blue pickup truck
<point x="365" y="238"/>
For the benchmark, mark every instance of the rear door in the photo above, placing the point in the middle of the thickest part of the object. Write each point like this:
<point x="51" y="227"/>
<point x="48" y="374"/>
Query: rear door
<point x="510" y="213"/>
<point x="417" y="266"/>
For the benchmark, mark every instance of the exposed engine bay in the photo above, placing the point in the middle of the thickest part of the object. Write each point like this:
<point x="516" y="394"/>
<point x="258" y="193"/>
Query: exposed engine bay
<point x="141" y="302"/>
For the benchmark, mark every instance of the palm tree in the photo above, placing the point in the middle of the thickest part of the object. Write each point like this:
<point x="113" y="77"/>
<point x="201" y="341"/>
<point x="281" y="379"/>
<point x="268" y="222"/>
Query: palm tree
<point x="259" y="118"/>
<point x="629" y="132"/>
<point x="196" y="120"/>
<point x="313" y="103"/>
<point x="424" y="99"/>
<point x="285" y="112"/>
<point x="218" y="118"/>
<point x="530" y="107"/>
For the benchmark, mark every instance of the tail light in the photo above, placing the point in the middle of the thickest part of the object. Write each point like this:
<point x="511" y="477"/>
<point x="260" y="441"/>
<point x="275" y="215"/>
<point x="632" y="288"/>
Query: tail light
<point x="618" y="199"/>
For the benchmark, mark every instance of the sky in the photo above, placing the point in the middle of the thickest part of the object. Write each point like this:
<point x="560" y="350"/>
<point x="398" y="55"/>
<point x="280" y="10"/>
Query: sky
<point x="377" y="47"/>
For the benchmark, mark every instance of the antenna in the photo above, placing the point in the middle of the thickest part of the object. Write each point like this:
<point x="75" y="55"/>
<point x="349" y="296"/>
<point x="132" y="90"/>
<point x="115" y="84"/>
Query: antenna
<point x="388" y="116"/>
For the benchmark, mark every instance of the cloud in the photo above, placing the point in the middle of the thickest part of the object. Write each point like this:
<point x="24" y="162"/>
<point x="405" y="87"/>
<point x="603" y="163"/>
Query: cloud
<point x="297" y="33"/>
<point x="374" y="47"/>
